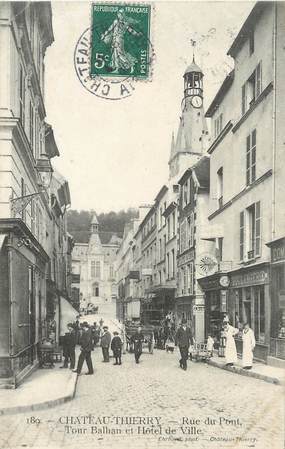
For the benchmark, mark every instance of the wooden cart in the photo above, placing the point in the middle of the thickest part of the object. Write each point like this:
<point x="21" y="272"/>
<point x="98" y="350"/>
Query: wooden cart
<point x="199" y="352"/>
<point x="148" y="333"/>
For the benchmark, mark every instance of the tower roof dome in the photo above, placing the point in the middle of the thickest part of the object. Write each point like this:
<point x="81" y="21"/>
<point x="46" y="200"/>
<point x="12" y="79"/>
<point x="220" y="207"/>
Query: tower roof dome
<point x="94" y="219"/>
<point x="193" y="67"/>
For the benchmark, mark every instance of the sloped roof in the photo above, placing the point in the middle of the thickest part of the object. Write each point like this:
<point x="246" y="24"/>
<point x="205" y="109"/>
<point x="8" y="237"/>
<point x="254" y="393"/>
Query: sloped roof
<point x="226" y="84"/>
<point x="202" y="172"/>
<point x="94" y="219"/>
<point x="193" y="67"/>
<point x="247" y="27"/>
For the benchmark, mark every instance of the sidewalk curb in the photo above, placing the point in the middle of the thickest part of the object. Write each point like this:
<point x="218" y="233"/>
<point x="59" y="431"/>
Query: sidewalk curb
<point x="70" y="393"/>
<point x="242" y="372"/>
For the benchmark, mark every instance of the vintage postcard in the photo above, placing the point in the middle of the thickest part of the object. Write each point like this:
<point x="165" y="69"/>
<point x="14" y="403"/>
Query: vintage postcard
<point x="142" y="224"/>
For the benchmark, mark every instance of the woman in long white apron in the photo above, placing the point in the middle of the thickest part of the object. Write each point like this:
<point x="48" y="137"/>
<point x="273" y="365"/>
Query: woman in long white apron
<point x="248" y="344"/>
<point x="230" y="350"/>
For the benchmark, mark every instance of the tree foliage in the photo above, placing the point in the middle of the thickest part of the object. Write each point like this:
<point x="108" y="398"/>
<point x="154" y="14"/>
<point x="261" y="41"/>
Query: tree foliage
<point x="78" y="223"/>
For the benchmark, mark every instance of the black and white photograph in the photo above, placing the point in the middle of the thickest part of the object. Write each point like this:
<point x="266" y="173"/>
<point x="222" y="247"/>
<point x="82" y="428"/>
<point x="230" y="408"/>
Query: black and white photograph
<point x="142" y="224"/>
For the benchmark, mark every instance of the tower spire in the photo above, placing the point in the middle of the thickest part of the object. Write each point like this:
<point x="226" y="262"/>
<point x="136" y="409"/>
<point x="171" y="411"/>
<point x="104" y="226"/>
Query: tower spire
<point x="193" y="44"/>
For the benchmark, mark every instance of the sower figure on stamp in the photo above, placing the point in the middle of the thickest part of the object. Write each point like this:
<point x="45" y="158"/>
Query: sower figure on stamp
<point x="105" y="343"/>
<point x="86" y="342"/>
<point x="116" y="347"/>
<point x="138" y="339"/>
<point x="114" y="36"/>
<point x="183" y="340"/>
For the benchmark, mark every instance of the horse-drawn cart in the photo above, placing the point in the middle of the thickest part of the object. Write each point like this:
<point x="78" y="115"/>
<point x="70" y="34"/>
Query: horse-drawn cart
<point x="148" y="333"/>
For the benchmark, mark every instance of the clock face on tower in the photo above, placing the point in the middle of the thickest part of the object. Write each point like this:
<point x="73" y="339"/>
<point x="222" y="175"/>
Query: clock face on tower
<point x="196" y="101"/>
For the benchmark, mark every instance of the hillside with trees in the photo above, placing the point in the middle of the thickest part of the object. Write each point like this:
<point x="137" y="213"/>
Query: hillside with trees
<point x="78" y="223"/>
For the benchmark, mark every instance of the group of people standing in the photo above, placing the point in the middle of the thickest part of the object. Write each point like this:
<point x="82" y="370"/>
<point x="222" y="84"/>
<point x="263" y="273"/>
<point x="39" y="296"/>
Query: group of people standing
<point x="184" y="339"/>
<point x="248" y="344"/>
<point x="87" y="336"/>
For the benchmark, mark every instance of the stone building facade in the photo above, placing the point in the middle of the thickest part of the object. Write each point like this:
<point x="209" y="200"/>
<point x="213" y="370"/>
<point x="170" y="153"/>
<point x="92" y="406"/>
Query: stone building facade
<point x="32" y="226"/>
<point x="246" y="190"/>
<point x="93" y="262"/>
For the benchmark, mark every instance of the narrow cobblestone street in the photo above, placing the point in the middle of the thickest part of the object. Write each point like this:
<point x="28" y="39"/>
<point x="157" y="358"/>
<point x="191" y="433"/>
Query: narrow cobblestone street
<point x="243" y="412"/>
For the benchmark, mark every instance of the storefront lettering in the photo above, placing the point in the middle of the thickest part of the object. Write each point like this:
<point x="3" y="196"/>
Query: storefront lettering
<point x="185" y="258"/>
<point x="198" y="309"/>
<point x="256" y="277"/>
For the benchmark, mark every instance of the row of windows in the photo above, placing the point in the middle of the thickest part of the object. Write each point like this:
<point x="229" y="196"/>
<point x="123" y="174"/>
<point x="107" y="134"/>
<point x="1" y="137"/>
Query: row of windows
<point x="171" y="264"/>
<point x="187" y="233"/>
<point x="29" y="118"/>
<point x="250" y="232"/>
<point x="186" y="279"/>
<point x="95" y="270"/>
<point x="149" y="226"/>
<point x="250" y="91"/>
<point x="185" y="197"/>
<point x="171" y="225"/>
<point x="250" y="167"/>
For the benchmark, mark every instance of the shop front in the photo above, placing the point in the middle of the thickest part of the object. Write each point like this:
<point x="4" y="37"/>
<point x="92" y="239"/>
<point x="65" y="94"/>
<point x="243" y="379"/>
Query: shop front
<point x="216" y="292"/>
<point x="249" y="302"/>
<point x="277" y="291"/>
<point x="184" y="309"/>
<point x="22" y="302"/>
<point x="157" y="304"/>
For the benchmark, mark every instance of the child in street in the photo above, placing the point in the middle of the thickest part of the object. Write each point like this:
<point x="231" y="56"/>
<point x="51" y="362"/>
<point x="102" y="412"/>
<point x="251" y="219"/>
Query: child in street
<point x="210" y="345"/>
<point x="116" y="347"/>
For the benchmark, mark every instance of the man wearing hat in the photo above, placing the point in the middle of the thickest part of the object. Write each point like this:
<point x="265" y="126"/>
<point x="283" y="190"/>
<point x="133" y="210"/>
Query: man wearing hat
<point x="138" y="339"/>
<point x="86" y="342"/>
<point x="116" y="347"/>
<point x="69" y="343"/>
<point x="183" y="340"/>
<point x="105" y="343"/>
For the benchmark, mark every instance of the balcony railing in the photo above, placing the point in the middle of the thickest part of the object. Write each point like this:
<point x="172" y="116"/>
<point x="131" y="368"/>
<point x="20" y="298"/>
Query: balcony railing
<point x="250" y="254"/>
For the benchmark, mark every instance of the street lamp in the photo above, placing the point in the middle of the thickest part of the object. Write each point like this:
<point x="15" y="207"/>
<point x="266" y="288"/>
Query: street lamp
<point x="45" y="171"/>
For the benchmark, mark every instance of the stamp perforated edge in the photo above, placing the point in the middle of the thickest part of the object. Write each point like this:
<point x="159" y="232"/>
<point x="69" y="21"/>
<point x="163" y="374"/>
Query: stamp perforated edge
<point x="150" y="38"/>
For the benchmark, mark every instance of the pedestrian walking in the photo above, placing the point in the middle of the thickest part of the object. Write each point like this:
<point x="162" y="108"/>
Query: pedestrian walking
<point x="105" y="343"/>
<point x="116" y="347"/>
<point x="230" y="349"/>
<point x="65" y="347"/>
<point x="183" y="340"/>
<point x="86" y="343"/>
<point x="76" y="326"/>
<point x="137" y="340"/>
<point x="248" y="345"/>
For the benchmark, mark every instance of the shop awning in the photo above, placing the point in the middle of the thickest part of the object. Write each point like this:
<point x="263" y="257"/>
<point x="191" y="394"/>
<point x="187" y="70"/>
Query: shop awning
<point x="67" y="314"/>
<point x="2" y="238"/>
<point x="160" y="289"/>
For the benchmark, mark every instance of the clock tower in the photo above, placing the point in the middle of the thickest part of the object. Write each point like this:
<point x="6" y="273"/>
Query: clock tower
<point x="192" y="136"/>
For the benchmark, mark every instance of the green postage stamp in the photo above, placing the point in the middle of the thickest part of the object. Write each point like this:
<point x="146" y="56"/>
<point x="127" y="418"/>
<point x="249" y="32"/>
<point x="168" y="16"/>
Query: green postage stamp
<point x="120" y="45"/>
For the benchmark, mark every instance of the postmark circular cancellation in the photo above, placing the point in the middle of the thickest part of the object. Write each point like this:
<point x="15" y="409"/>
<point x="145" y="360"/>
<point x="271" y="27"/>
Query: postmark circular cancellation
<point x="116" y="52"/>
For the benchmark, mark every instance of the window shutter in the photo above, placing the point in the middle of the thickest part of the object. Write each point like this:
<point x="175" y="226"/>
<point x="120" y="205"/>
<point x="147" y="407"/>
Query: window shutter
<point x="248" y="160"/>
<point x="243" y="99"/>
<point x="258" y="81"/>
<point x="241" y="234"/>
<point x="257" y="229"/>
<point x="190" y="286"/>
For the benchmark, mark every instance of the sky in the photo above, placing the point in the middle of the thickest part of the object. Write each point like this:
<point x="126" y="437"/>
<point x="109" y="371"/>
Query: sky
<point x="115" y="154"/>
